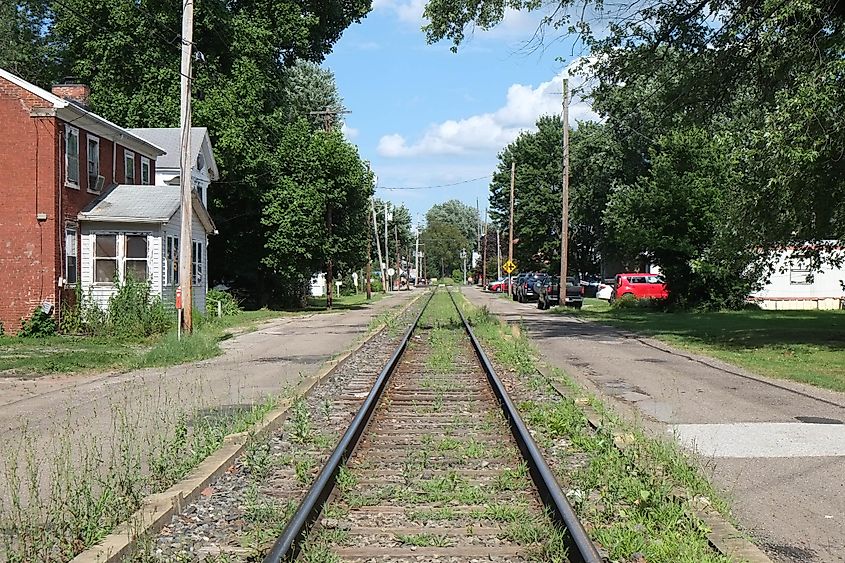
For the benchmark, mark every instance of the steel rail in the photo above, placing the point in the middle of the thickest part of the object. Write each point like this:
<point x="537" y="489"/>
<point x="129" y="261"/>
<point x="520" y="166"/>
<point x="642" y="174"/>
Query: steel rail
<point x="289" y="543"/>
<point x="581" y="548"/>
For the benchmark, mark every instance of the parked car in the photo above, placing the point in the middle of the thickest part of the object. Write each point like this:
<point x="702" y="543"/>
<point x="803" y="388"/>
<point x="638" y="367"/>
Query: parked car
<point x="539" y="279"/>
<point x="640" y="285"/>
<point x="526" y="288"/>
<point x="605" y="289"/>
<point x="590" y="284"/>
<point x="498" y="286"/>
<point x="549" y="294"/>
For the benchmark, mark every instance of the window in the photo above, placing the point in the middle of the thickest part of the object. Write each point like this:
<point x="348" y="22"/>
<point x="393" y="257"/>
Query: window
<point x="128" y="167"/>
<point x="72" y="156"/>
<point x="171" y="258"/>
<point x="93" y="162"/>
<point x="799" y="271"/>
<point x="145" y="171"/>
<point x="135" y="261"/>
<point x="196" y="263"/>
<point x="70" y="254"/>
<point x="105" y="258"/>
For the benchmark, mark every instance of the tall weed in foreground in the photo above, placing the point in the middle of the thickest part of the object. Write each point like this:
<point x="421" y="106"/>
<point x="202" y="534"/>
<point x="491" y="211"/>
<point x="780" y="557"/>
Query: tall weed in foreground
<point x="63" y="490"/>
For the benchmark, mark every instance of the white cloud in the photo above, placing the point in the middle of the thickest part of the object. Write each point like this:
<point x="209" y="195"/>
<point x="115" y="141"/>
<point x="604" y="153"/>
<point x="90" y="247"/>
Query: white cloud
<point x="491" y="131"/>
<point x="407" y="11"/>
<point x="349" y="132"/>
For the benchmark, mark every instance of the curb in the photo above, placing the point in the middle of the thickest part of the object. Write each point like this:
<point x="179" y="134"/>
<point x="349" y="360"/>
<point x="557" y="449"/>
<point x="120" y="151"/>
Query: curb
<point x="157" y="509"/>
<point x="722" y="536"/>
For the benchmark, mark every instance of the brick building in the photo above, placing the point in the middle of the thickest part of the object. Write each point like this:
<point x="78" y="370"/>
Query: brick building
<point x="56" y="158"/>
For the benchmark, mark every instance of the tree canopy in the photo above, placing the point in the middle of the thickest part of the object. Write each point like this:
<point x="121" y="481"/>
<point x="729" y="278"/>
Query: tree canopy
<point x="762" y="80"/>
<point x="258" y="76"/>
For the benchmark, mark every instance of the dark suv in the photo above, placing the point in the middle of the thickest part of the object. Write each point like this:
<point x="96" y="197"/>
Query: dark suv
<point x="525" y="288"/>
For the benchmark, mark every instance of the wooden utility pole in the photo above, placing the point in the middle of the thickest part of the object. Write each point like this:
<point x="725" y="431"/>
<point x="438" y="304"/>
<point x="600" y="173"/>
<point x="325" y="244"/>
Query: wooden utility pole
<point x="510" y="227"/>
<point x="386" y="247"/>
<point x="369" y="262"/>
<point x="382" y="266"/>
<point x="328" y="116"/>
<point x="417" y="261"/>
<point x="498" y="255"/>
<point x="398" y="258"/>
<point x="564" y="214"/>
<point x="484" y="255"/>
<point x="185" y="166"/>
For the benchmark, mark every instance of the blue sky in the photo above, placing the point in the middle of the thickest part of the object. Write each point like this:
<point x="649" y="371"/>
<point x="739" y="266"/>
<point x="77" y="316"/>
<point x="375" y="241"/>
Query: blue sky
<point x="424" y="116"/>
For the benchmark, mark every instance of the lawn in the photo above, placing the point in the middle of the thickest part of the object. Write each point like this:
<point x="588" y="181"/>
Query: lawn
<point x="32" y="357"/>
<point x="804" y="346"/>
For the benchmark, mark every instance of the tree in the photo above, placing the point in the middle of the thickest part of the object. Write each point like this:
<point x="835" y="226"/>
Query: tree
<point x="399" y="221"/>
<point x="246" y="90"/>
<point x="456" y="213"/>
<point x="24" y="47"/>
<point x="678" y="216"/>
<point x="769" y="73"/>
<point x="442" y="243"/>
<point x="594" y="163"/>
<point x="317" y="171"/>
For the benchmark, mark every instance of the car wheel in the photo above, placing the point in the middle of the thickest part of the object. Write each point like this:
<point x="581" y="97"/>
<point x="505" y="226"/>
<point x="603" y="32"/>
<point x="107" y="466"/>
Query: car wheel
<point x="579" y="305"/>
<point x="540" y="304"/>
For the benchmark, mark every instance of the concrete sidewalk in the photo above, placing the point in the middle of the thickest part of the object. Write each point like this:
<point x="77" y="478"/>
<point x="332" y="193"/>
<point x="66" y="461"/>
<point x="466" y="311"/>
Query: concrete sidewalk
<point x="253" y="365"/>
<point x="776" y="448"/>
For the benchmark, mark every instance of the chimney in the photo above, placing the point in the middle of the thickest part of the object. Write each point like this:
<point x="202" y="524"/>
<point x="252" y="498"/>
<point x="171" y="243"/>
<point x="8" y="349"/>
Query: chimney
<point x="73" y="91"/>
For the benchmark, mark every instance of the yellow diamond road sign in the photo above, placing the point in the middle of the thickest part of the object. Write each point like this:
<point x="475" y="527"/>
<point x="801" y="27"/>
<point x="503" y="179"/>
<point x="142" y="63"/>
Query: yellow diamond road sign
<point x="509" y="266"/>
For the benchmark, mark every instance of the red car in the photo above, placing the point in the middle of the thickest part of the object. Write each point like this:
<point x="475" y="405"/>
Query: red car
<point x="498" y="286"/>
<point x="641" y="286"/>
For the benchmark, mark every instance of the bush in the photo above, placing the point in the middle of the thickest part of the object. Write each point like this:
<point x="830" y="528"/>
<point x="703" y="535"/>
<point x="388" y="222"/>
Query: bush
<point x="631" y="302"/>
<point x="133" y="311"/>
<point x="375" y="285"/>
<point x="39" y="325"/>
<point x="228" y="303"/>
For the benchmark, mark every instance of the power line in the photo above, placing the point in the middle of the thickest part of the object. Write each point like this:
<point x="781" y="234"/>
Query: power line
<point x="437" y="186"/>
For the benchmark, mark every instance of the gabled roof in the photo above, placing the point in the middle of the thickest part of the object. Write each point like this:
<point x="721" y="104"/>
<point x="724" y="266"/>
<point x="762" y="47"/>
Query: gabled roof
<point x="170" y="139"/>
<point x="142" y="204"/>
<point x="69" y="111"/>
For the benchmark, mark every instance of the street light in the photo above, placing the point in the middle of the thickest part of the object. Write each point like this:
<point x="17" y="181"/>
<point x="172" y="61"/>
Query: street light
<point x="464" y="258"/>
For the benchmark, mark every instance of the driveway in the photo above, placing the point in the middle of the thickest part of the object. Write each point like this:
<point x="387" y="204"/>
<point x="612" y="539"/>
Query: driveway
<point x="776" y="448"/>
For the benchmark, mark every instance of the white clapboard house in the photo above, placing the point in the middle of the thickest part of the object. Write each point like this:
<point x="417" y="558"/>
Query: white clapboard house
<point x="794" y="285"/>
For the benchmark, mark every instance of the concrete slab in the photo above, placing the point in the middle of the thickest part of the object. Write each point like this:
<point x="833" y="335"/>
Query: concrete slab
<point x="794" y="506"/>
<point x="762" y="439"/>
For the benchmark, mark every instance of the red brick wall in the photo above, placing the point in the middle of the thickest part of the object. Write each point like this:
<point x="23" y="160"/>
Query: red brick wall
<point x="28" y="149"/>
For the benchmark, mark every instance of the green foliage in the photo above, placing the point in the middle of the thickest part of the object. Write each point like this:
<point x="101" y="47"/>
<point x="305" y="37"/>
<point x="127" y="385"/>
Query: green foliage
<point x="443" y="243"/>
<point x="228" y="303"/>
<point x="457" y="274"/>
<point x="134" y="311"/>
<point x="316" y="211"/>
<point x="38" y="325"/>
<point x="772" y="116"/>
<point x="457" y="213"/>
<point x="258" y="75"/>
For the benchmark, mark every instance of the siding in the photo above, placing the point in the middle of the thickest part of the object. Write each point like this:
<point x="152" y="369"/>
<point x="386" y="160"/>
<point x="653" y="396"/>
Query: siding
<point x="173" y="228"/>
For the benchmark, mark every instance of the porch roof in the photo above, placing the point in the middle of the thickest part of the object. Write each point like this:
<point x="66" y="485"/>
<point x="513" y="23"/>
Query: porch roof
<point x="142" y="204"/>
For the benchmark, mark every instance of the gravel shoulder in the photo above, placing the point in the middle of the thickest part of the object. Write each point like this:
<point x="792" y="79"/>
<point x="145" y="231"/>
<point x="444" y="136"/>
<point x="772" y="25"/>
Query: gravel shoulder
<point x="752" y="431"/>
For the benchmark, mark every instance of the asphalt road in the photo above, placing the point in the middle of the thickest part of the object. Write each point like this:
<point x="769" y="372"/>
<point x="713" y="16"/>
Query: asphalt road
<point x="784" y="477"/>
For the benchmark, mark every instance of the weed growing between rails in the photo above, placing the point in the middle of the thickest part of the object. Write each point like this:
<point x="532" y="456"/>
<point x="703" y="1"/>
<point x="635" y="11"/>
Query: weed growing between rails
<point x="627" y="499"/>
<point x="64" y="488"/>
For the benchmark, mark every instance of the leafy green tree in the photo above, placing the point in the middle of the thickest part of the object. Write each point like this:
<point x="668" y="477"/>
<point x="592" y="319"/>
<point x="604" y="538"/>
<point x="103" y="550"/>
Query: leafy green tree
<point x="767" y="74"/>
<point x="678" y="215"/>
<point x="24" y="47"/>
<point x="399" y="222"/>
<point x="442" y="243"/>
<point x="456" y="213"/>
<point x="318" y="210"/>
<point x="595" y="163"/>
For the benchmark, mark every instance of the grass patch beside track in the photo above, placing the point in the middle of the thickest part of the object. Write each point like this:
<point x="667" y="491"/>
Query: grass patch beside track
<point x="626" y="498"/>
<point x="803" y="346"/>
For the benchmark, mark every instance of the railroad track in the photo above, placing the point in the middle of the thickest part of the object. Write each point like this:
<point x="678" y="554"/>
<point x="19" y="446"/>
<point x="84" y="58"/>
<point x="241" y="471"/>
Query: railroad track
<point x="436" y="465"/>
